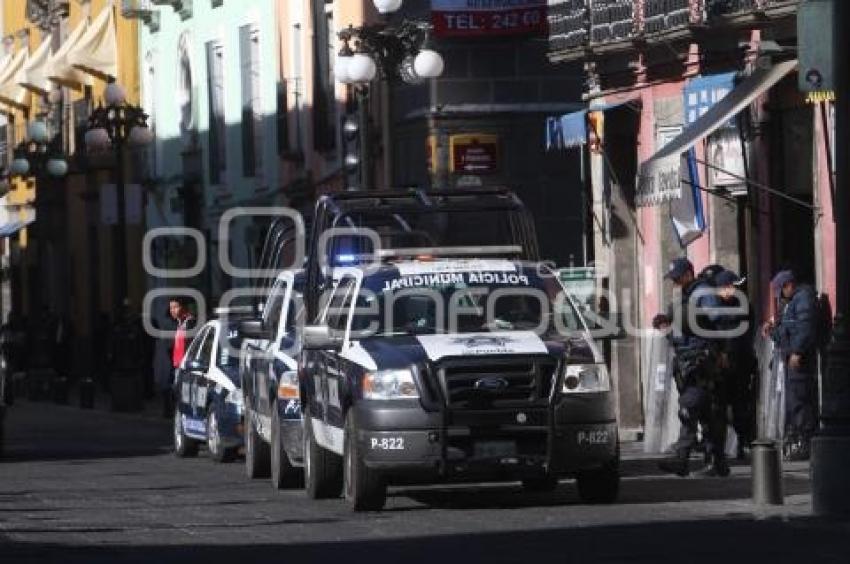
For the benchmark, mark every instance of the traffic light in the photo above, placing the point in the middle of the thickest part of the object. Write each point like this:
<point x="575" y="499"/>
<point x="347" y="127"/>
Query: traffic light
<point x="352" y="151"/>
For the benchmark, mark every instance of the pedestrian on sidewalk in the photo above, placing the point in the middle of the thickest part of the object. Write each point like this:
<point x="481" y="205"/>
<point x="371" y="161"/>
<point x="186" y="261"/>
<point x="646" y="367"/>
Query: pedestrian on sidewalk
<point x="793" y="329"/>
<point x="695" y="370"/>
<point x="179" y="308"/>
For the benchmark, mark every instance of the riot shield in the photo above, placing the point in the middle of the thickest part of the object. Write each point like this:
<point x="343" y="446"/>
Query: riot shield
<point x="771" y="400"/>
<point x="661" y="398"/>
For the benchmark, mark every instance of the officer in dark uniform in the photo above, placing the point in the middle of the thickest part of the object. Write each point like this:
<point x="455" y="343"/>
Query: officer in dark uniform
<point x="794" y="330"/>
<point x="737" y="362"/>
<point x="695" y="370"/>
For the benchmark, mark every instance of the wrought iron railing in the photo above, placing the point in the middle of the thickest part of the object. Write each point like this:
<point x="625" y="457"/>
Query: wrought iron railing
<point x="612" y="20"/>
<point x="569" y="24"/>
<point x="665" y="15"/>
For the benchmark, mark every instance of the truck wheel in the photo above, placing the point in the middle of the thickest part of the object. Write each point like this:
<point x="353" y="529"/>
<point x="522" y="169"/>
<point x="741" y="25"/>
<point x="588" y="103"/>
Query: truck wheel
<point x="184" y="447"/>
<point x="540" y="484"/>
<point x="322" y="468"/>
<point x="284" y="474"/>
<point x="218" y="452"/>
<point x="599" y="486"/>
<point x="257" y="463"/>
<point x="365" y="489"/>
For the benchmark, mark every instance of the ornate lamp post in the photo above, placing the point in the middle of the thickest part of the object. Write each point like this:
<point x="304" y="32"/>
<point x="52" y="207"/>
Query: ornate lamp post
<point x="114" y="126"/>
<point x="39" y="154"/>
<point x="388" y="52"/>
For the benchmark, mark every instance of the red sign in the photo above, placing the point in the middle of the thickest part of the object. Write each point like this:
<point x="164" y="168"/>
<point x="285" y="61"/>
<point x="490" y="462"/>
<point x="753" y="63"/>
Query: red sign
<point x="474" y="154"/>
<point x="469" y="18"/>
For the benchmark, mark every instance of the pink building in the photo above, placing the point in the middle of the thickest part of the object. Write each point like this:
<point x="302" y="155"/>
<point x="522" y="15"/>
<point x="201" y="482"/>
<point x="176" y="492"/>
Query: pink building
<point x="753" y="194"/>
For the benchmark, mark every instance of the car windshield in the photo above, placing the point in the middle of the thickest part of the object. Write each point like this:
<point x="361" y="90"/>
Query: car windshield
<point x="463" y="302"/>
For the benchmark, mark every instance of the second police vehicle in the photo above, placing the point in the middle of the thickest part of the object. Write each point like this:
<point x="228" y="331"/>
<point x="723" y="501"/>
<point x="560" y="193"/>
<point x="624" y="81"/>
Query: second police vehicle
<point x="208" y="394"/>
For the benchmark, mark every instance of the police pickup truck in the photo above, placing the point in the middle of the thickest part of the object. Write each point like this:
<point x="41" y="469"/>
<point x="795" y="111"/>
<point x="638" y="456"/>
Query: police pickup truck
<point x="426" y="370"/>
<point x="269" y="375"/>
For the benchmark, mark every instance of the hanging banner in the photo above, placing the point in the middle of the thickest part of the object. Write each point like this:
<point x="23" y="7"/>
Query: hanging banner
<point x="471" y="18"/>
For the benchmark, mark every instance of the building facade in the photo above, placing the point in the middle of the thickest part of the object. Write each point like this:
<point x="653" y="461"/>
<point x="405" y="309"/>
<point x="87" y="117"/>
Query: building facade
<point x="750" y="189"/>
<point x="63" y="262"/>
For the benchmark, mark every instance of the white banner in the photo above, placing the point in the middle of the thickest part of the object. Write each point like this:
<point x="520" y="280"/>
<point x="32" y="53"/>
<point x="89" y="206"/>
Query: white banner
<point x="480" y="344"/>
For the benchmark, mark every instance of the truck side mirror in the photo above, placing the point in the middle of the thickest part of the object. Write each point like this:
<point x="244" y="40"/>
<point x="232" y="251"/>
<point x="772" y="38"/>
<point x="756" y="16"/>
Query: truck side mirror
<point x="319" y="337"/>
<point x="254" y="329"/>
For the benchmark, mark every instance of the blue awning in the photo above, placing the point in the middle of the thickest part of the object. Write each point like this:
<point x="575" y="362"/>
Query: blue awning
<point x="570" y="130"/>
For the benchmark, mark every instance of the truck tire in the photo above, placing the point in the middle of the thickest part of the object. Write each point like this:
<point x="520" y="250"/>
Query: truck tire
<point x="365" y="489"/>
<point x="322" y="468"/>
<point x="184" y="447"/>
<point x="218" y="452"/>
<point x="599" y="486"/>
<point x="540" y="484"/>
<point x="283" y="473"/>
<point x="257" y="456"/>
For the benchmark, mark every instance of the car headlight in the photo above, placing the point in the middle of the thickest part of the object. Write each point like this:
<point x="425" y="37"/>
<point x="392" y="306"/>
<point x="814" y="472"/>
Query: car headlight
<point x="585" y="378"/>
<point x="390" y="384"/>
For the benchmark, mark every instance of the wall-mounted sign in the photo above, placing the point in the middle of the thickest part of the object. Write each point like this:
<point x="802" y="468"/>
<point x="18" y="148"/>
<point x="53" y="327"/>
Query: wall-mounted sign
<point x="474" y="153"/>
<point x="469" y="18"/>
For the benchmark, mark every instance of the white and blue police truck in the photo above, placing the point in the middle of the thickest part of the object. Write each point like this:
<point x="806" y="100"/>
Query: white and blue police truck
<point x="421" y="369"/>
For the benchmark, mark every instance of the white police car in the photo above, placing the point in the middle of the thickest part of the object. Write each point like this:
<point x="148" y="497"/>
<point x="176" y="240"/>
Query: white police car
<point x="209" y="407"/>
<point x="420" y="371"/>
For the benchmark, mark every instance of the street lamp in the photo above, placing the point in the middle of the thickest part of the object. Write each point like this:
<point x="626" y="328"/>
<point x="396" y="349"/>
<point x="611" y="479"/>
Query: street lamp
<point x="38" y="154"/>
<point x="390" y="52"/>
<point x="115" y="125"/>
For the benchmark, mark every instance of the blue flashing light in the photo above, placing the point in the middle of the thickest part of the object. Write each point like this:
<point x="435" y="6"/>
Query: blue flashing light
<point x="346" y="259"/>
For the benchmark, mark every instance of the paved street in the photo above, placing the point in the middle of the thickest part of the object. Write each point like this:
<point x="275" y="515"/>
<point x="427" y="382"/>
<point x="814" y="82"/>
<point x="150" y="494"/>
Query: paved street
<point x="80" y="486"/>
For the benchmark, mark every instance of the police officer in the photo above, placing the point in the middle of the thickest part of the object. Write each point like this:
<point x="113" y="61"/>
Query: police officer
<point x="793" y="329"/>
<point x="736" y="359"/>
<point x="695" y="371"/>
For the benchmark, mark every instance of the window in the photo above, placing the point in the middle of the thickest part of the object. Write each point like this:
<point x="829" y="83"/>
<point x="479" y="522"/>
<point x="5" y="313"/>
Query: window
<point x="281" y="115"/>
<point x="217" y="131"/>
<point x="272" y="310"/>
<point x="252" y="124"/>
<point x="192" y="352"/>
<point x="206" y="348"/>
<point x="336" y="315"/>
<point x="324" y="93"/>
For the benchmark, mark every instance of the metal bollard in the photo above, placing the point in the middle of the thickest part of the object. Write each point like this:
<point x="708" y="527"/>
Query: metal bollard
<point x="767" y="473"/>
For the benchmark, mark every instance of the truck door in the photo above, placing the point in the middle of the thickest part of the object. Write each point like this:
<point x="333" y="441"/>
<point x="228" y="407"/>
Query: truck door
<point x="337" y="319"/>
<point x="265" y="354"/>
<point x="200" y="385"/>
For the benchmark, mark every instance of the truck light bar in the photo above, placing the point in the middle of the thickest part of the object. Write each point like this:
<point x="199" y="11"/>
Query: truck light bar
<point x="437" y="252"/>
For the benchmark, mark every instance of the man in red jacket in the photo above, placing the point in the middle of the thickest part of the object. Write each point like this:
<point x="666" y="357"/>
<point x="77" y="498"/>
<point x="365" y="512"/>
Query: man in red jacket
<point x="185" y="323"/>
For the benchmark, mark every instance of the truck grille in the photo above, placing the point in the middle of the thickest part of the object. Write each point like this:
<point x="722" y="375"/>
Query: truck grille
<point x="481" y="383"/>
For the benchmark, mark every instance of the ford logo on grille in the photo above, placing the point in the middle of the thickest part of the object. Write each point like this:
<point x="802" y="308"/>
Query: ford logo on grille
<point x="491" y="384"/>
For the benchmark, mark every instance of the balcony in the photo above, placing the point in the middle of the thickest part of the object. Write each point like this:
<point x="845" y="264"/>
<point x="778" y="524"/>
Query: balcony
<point x="746" y="11"/>
<point x="581" y="27"/>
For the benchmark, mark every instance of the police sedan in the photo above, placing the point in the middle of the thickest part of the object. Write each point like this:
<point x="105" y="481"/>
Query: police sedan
<point x="209" y="406"/>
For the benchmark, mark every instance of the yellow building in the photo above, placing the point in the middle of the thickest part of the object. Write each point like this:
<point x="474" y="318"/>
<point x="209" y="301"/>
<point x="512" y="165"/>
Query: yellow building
<point x="64" y="260"/>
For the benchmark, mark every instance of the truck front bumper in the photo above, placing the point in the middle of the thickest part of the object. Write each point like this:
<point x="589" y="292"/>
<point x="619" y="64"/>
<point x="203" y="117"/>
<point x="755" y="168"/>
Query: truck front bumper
<point x="406" y="443"/>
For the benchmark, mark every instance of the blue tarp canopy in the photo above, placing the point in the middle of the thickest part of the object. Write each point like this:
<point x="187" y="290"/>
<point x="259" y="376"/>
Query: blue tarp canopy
<point x="570" y="130"/>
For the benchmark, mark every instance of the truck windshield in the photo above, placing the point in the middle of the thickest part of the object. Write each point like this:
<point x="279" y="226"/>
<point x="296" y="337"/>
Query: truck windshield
<point x="463" y="303"/>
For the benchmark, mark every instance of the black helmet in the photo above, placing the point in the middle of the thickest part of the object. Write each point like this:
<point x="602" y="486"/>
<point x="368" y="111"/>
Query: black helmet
<point x="709" y="273"/>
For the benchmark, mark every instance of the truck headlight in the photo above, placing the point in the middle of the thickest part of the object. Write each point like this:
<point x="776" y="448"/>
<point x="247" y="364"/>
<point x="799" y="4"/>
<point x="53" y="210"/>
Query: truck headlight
<point x="390" y="384"/>
<point x="585" y="378"/>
